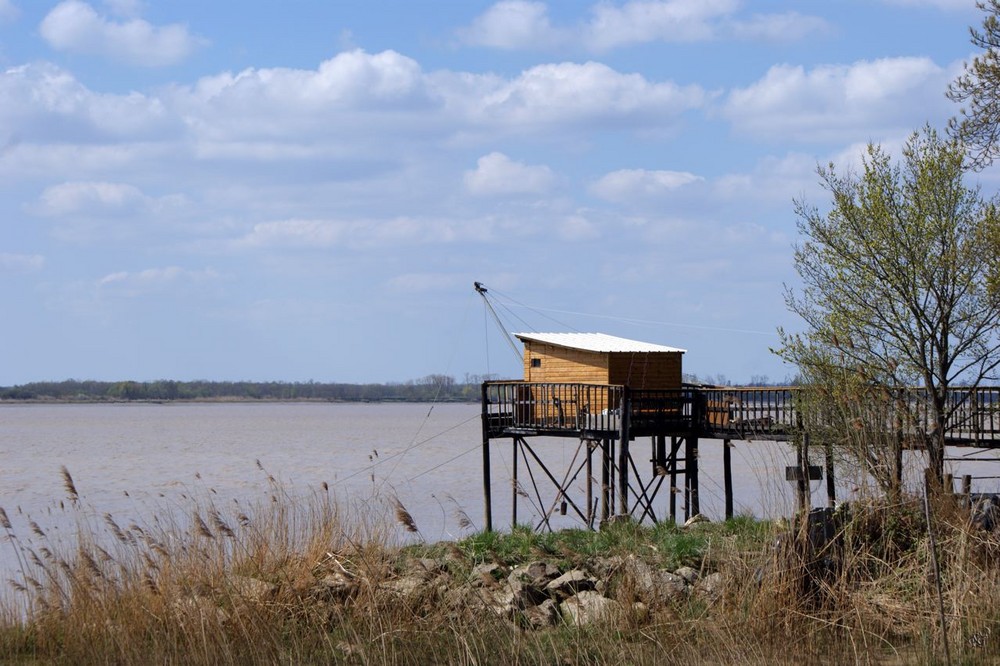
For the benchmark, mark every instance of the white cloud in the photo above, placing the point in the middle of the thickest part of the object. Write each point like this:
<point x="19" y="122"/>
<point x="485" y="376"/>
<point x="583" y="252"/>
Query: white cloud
<point x="519" y="24"/>
<point x="46" y="103"/>
<point x="514" y="24"/>
<point x="8" y="11"/>
<point x="21" y="263"/>
<point x="98" y="199"/>
<point x="643" y="21"/>
<point x="132" y="284"/>
<point x="790" y="26"/>
<point x="626" y="184"/>
<point x="838" y="101"/>
<point x="498" y="174"/>
<point x="76" y="27"/>
<point x="586" y="93"/>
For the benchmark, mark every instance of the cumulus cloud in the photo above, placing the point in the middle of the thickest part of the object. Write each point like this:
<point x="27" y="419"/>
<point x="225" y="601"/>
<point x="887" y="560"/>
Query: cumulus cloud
<point x="627" y="184"/>
<point x="837" y="101"/>
<point x="98" y="198"/>
<point x="498" y="174"/>
<point x="586" y="93"/>
<point x="46" y="103"/>
<point x="21" y="263"/>
<point x="520" y="24"/>
<point x="514" y="24"/>
<point x="76" y="27"/>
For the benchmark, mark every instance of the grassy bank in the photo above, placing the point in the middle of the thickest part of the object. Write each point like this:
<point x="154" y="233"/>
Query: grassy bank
<point x="306" y="582"/>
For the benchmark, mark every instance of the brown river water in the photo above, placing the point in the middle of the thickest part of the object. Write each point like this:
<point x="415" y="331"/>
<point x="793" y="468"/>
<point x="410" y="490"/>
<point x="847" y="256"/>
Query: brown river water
<point x="135" y="461"/>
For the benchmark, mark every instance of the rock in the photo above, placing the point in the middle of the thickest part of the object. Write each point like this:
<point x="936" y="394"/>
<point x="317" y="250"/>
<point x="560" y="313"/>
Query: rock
<point x="570" y="583"/>
<point x="689" y="575"/>
<point x="654" y="586"/>
<point x="695" y="519"/>
<point x="428" y="568"/>
<point x="337" y="585"/>
<point x="252" y="589"/>
<point x="406" y="586"/>
<point x="545" y="614"/>
<point x="487" y="573"/>
<point x="537" y="574"/>
<point x="710" y="587"/>
<point x="588" y="607"/>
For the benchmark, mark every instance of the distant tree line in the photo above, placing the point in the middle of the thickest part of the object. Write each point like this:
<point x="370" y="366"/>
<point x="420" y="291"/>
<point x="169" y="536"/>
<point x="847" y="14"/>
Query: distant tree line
<point x="430" y="388"/>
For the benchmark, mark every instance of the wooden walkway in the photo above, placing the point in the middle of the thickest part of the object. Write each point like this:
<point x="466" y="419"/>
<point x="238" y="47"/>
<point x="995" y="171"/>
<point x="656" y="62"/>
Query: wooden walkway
<point x="607" y="420"/>
<point x="593" y="411"/>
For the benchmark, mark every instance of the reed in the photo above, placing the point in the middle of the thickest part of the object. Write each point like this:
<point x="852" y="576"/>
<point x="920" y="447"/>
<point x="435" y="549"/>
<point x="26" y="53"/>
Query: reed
<point x="313" y="579"/>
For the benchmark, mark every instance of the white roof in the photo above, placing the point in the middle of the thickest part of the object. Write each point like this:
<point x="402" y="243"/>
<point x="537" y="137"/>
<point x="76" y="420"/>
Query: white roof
<point x="595" y="342"/>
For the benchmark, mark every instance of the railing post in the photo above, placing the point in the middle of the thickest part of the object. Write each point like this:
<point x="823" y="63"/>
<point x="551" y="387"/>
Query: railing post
<point x="727" y="475"/>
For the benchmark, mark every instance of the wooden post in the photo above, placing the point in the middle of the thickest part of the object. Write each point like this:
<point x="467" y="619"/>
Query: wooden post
<point x="967" y="485"/>
<point x="691" y="475"/>
<point x="673" y="479"/>
<point x="831" y="485"/>
<point x="623" y="452"/>
<point x="727" y="475"/>
<point x="605" y="479"/>
<point x="949" y="484"/>
<point x="514" y="486"/>
<point x="487" y="494"/>
<point x="802" y="479"/>
<point x="590" y="484"/>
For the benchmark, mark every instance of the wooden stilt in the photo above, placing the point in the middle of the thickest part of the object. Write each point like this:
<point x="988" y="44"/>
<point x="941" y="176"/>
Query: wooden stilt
<point x="605" y="479"/>
<point x="623" y="452"/>
<point x="673" y="479"/>
<point x="727" y="475"/>
<point x="514" y="485"/>
<point x="831" y="482"/>
<point x="590" y="484"/>
<point x="691" y="475"/>
<point x="487" y="494"/>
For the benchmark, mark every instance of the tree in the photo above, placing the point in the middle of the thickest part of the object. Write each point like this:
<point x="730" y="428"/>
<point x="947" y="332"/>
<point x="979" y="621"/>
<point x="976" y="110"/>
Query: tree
<point x="899" y="295"/>
<point x="978" y="88"/>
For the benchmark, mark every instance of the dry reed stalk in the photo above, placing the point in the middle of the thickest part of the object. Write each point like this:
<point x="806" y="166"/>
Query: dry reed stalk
<point x="403" y="516"/>
<point x="69" y="485"/>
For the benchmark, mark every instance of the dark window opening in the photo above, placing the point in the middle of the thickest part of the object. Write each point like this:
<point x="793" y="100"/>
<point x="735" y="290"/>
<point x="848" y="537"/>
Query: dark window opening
<point x="536" y="362"/>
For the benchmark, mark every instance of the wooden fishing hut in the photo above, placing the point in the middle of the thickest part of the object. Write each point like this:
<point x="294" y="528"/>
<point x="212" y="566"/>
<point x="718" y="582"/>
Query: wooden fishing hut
<point x="605" y="391"/>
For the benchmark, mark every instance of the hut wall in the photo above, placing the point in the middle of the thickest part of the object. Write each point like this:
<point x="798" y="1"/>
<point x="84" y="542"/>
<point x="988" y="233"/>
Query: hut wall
<point x="638" y="370"/>
<point x="563" y="365"/>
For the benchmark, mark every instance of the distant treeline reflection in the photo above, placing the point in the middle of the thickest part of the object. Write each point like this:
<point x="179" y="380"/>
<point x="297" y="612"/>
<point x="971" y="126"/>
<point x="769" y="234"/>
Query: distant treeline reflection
<point x="426" y="389"/>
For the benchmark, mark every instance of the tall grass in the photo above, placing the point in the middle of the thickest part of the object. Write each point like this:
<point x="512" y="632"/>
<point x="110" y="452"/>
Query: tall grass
<point x="308" y="580"/>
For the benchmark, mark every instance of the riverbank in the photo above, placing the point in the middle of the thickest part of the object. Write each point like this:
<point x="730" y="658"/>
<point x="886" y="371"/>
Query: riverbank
<point x="309" y="582"/>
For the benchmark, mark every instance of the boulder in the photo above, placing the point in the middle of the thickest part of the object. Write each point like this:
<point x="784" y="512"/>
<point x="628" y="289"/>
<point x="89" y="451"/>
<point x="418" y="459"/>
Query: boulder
<point x="689" y="575"/>
<point x="710" y="587"/>
<point x="570" y="583"/>
<point x="545" y="614"/>
<point x="655" y="587"/>
<point x="589" y="607"/>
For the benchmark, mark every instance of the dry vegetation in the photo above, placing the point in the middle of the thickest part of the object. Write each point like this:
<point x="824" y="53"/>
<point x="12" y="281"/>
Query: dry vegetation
<point x="302" y="582"/>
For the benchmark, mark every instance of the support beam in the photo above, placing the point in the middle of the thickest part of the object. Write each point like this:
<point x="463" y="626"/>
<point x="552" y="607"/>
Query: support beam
<point x="691" y="476"/>
<point x="674" y="445"/>
<point x="487" y="494"/>
<point x="514" y="485"/>
<point x="590" y="484"/>
<point x="605" y="480"/>
<point x="831" y="483"/>
<point x="623" y="451"/>
<point x="727" y="475"/>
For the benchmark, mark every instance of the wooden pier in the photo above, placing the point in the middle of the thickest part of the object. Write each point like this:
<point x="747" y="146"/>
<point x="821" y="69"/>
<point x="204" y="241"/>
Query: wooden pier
<point x="607" y="419"/>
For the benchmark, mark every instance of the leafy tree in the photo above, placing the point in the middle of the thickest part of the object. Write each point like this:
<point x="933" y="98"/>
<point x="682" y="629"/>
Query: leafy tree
<point x="899" y="289"/>
<point x="978" y="90"/>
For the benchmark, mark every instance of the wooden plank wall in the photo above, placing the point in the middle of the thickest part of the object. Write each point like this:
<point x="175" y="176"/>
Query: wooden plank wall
<point x="566" y="366"/>
<point x="660" y="370"/>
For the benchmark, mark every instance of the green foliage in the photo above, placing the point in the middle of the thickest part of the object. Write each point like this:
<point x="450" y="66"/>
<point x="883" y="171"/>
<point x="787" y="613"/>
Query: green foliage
<point x="898" y="290"/>
<point x="978" y="122"/>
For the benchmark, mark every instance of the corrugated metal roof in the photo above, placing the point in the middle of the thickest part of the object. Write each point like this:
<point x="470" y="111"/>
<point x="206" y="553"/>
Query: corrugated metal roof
<point x="595" y="342"/>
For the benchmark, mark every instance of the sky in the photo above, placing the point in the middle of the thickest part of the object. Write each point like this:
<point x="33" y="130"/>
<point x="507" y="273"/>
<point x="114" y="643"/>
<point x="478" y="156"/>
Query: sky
<point x="306" y="191"/>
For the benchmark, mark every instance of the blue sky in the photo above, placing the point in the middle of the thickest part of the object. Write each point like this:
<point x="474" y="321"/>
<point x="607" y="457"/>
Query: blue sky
<point x="303" y="190"/>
